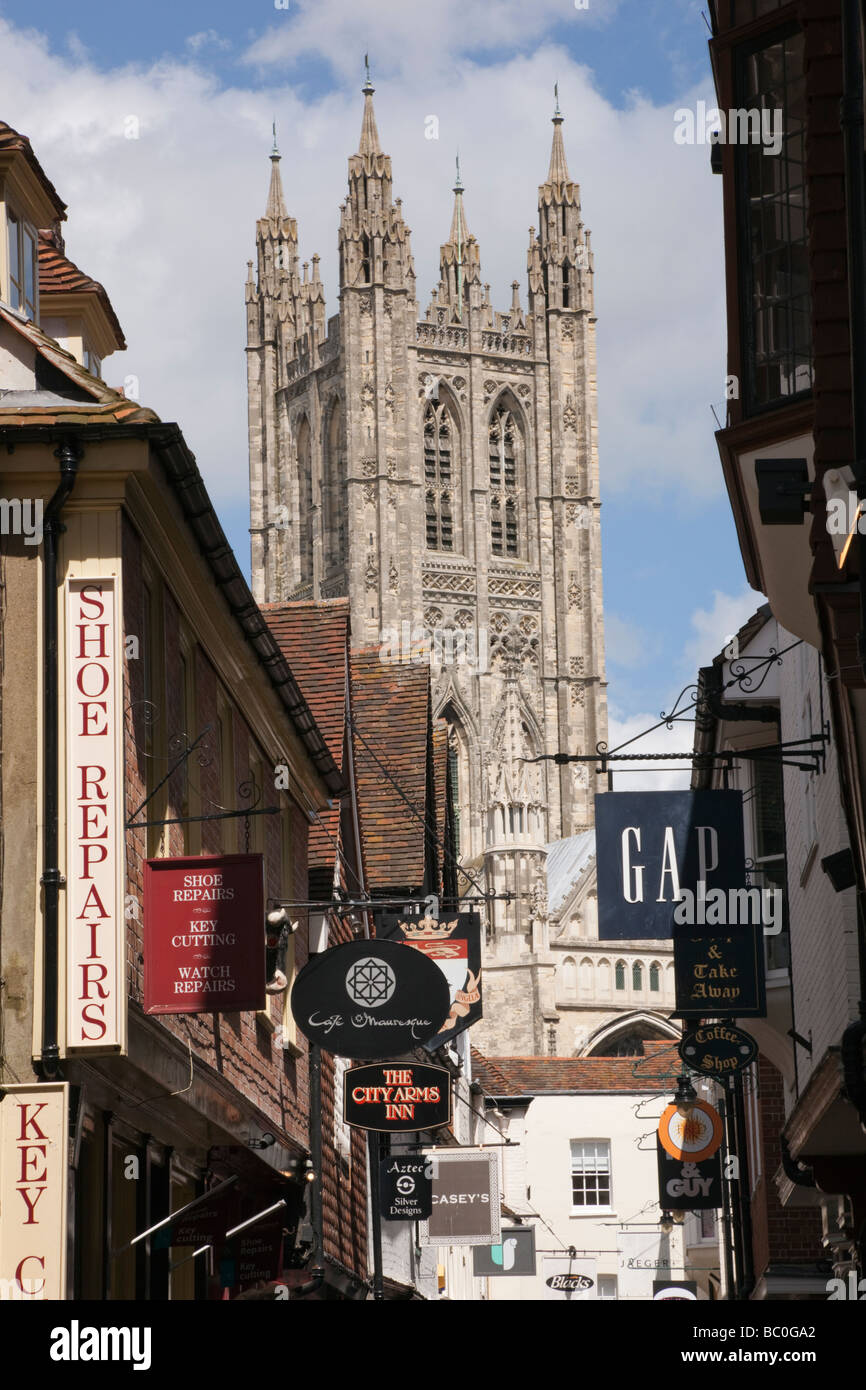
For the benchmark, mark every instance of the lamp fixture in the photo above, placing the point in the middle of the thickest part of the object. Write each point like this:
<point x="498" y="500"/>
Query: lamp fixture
<point x="685" y="1097"/>
<point x="666" y="1223"/>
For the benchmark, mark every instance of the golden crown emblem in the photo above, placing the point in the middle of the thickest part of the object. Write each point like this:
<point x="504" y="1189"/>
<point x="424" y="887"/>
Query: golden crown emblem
<point x="428" y="929"/>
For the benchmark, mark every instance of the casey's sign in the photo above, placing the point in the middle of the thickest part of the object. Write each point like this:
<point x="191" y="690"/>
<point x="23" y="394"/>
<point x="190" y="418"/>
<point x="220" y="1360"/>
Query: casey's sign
<point x="95" y="865"/>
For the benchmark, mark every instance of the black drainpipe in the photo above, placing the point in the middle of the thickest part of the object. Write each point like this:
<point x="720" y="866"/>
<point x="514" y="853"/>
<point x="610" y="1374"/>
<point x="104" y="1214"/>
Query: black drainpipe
<point x="52" y="880"/>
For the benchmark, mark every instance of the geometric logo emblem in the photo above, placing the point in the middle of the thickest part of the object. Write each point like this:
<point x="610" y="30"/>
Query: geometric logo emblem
<point x="370" y="982"/>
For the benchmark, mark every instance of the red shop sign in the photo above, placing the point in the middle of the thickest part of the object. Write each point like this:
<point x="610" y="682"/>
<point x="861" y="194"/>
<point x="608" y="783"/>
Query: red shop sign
<point x="204" y="934"/>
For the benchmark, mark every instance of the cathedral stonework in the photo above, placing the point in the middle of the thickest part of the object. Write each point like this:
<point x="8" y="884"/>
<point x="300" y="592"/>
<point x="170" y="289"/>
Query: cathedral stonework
<point x="441" y="470"/>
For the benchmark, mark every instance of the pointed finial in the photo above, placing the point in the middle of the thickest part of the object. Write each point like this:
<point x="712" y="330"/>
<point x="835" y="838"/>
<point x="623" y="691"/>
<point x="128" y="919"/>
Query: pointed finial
<point x="368" y="85"/>
<point x="557" y="114"/>
<point x="458" y="186"/>
<point x="275" y="154"/>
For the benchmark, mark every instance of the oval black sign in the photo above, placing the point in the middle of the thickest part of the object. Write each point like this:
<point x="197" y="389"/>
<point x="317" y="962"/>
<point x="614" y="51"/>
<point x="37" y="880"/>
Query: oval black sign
<point x="396" y="1096"/>
<point x="717" y="1049"/>
<point x="370" y="999"/>
<point x="569" y="1283"/>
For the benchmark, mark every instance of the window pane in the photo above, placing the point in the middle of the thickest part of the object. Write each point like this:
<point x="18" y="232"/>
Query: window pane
<point x="14" y="263"/>
<point x="772" y="210"/>
<point x="30" y="273"/>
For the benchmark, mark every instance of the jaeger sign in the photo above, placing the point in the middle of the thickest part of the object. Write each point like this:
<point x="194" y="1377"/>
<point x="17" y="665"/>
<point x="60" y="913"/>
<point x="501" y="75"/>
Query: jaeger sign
<point x="370" y="999"/>
<point x="654" y="846"/>
<point x="95" y="863"/>
<point x="204" y="940"/>
<point x="396" y="1096"/>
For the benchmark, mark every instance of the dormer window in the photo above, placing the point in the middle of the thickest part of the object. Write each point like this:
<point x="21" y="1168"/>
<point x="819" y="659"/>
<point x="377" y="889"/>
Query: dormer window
<point x="22" y="265"/>
<point x="92" y="362"/>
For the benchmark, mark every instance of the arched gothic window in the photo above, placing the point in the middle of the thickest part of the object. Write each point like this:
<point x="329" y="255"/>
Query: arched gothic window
<point x="637" y="975"/>
<point x="305" y="502"/>
<point x="655" y="977"/>
<point x="619" y="974"/>
<point x="441" y="476"/>
<point x="505" y="446"/>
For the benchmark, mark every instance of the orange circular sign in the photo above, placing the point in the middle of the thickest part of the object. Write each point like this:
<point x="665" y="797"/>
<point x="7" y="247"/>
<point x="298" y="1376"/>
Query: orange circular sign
<point x="693" y="1137"/>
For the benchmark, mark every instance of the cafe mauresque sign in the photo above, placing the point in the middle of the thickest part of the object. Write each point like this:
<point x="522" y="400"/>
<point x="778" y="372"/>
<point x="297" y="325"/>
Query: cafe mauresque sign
<point x="455" y="946"/>
<point x="204" y="936"/>
<point x="370" y="999"/>
<point x="95" y="842"/>
<point x="652" y="847"/>
<point x="397" y="1096"/>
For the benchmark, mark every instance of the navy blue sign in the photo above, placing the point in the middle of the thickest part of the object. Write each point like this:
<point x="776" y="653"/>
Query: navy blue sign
<point x="651" y="847"/>
<point x="406" y="1188"/>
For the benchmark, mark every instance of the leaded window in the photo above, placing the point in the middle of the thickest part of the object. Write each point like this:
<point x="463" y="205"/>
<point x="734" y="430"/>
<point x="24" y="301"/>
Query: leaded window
<point x="772" y="200"/>
<point x="440" y="476"/>
<point x="504" y="511"/>
<point x="590" y="1173"/>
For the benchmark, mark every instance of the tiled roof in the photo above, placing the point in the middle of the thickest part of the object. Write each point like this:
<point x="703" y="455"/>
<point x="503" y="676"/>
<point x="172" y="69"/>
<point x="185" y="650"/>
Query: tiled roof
<point x="526" y="1076"/>
<point x="313" y="636"/>
<point x="58" y="275"/>
<point x="11" y="140"/>
<point x="104" y="405"/>
<point x="391" y="714"/>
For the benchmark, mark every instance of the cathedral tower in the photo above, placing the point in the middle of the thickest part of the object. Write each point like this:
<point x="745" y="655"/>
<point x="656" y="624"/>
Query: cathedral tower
<point x="441" y="470"/>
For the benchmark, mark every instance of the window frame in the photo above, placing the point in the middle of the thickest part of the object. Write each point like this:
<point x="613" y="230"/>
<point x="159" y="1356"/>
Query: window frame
<point x="600" y="1208"/>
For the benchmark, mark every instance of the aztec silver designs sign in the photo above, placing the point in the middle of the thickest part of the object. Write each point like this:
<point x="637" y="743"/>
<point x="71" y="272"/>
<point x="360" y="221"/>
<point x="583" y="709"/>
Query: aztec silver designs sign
<point x="95" y="859"/>
<point x="369" y="999"/>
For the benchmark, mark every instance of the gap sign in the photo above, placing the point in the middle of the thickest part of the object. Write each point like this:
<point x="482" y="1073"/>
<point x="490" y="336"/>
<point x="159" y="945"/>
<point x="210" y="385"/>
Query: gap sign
<point x="651" y="846"/>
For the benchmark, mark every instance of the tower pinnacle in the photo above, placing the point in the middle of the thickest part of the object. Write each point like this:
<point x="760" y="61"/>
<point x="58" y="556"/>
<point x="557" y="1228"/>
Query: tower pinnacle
<point x="558" y="172"/>
<point x="369" y="134"/>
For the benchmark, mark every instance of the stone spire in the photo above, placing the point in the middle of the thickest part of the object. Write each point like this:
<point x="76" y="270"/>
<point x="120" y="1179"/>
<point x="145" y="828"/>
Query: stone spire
<point x="459" y="233"/>
<point x="558" y="171"/>
<point x="369" y="134"/>
<point x="276" y="207"/>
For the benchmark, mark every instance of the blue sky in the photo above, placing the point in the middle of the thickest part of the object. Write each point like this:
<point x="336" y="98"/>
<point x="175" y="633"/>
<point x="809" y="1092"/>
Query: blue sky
<point x="166" y="221"/>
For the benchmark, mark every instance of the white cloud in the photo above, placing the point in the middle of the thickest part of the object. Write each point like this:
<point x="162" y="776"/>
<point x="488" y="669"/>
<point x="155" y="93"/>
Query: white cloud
<point x="167" y="221"/>
<point x="649" y="776"/>
<point x="713" y="627"/>
<point x="207" y="38"/>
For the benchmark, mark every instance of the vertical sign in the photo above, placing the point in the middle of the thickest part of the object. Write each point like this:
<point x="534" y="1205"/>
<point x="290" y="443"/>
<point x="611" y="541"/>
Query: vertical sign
<point x="34" y="1129"/>
<point x="95" y="861"/>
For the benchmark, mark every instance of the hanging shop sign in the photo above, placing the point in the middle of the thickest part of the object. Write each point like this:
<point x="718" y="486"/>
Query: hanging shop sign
<point x="719" y="973"/>
<point x="569" y="1278"/>
<point x="406" y="1188"/>
<point x="669" y="1290"/>
<point x="652" y="848"/>
<point x="642" y="1256"/>
<point x="693" y="1137"/>
<point x="206" y="1224"/>
<point x="369" y="999"/>
<point x="95" y="850"/>
<point x="455" y="946"/>
<point x="204" y="943"/>
<point x="718" y="1049"/>
<point x="34" y="1134"/>
<point x="514" y="1254"/>
<point x="689" y="1185"/>
<point x="397" y="1096"/>
<point x="466" y="1200"/>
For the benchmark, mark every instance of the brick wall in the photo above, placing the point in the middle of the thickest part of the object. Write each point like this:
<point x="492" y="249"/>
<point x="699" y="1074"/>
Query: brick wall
<point x="239" y="1046"/>
<point x="790" y="1235"/>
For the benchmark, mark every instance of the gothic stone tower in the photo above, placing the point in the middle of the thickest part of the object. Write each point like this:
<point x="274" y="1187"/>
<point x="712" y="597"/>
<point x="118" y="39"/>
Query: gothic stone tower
<point x="442" y="472"/>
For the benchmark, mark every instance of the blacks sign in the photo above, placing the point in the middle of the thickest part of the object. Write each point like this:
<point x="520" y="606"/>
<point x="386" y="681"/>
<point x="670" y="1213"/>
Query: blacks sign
<point x="569" y="1283"/>
<point x="369" y="999"/>
<point x="396" y="1096"/>
<point x="652" y="847"/>
<point x="717" y="1049"/>
<point x="688" y="1186"/>
<point x="406" y="1188"/>
<point x="719" y="973"/>
<point x="455" y="946"/>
